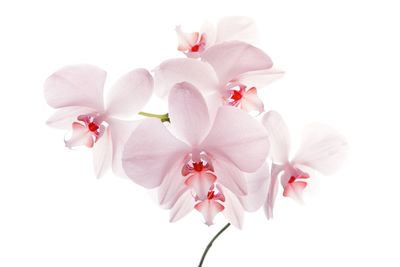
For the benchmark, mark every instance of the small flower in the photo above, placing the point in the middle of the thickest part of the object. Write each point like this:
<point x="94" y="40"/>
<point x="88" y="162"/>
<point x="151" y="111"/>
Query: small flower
<point x="77" y="94"/>
<point x="229" y="73"/>
<point x="229" y="28"/>
<point x="322" y="149"/>
<point x="199" y="162"/>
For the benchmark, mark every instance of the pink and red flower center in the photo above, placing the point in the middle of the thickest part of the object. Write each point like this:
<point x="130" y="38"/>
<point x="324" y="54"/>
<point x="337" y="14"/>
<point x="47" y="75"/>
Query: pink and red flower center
<point x="236" y="93"/>
<point x="86" y="131"/>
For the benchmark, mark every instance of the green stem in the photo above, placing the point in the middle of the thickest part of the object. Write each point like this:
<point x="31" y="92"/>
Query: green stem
<point x="211" y="242"/>
<point x="162" y="117"/>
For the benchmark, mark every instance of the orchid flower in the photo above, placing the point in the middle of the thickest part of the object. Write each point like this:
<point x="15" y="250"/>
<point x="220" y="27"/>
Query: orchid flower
<point x="322" y="149"/>
<point x="229" y="74"/>
<point x="199" y="161"/>
<point x="77" y="94"/>
<point x="238" y="28"/>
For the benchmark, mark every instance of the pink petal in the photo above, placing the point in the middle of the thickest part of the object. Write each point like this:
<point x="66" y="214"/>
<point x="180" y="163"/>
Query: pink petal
<point x="278" y="135"/>
<point x="209" y="209"/>
<point x="260" y="78"/>
<point x="251" y="102"/>
<point x="78" y="85"/>
<point x="182" y="207"/>
<point x="258" y="186"/>
<point x="130" y="94"/>
<point x="81" y="136"/>
<point x="236" y="28"/>
<point x="188" y="113"/>
<point x="322" y="149"/>
<point x="186" y="40"/>
<point x="150" y="152"/>
<point x="102" y="154"/>
<point x="209" y="30"/>
<point x="201" y="183"/>
<point x="230" y="59"/>
<point x="170" y="72"/>
<point x="173" y="185"/>
<point x="230" y="176"/>
<point x="120" y="131"/>
<point x="272" y="191"/>
<point x="238" y="138"/>
<point x="233" y="208"/>
<point x="295" y="190"/>
<point x="64" y="117"/>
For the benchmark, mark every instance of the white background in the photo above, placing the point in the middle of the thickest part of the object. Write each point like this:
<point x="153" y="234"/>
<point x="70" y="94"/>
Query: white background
<point x="342" y="68"/>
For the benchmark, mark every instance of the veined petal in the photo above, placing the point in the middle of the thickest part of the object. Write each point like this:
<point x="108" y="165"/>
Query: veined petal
<point x="201" y="183"/>
<point x="64" y="117"/>
<point x="182" y="207"/>
<point x="102" y="154"/>
<point x="150" y="152"/>
<point x="322" y="149"/>
<point x="236" y="28"/>
<point x="229" y="176"/>
<point x="170" y="72"/>
<point x="209" y="209"/>
<point x="188" y="113"/>
<point x="258" y="185"/>
<point x="172" y="186"/>
<point x="238" y="138"/>
<point x="233" y="208"/>
<point x="130" y="93"/>
<point x="251" y="102"/>
<point x="278" y="134"/>
<point x="78" y="85"/>
<point x="260" y="78"/>
<point x="230" y="59"/>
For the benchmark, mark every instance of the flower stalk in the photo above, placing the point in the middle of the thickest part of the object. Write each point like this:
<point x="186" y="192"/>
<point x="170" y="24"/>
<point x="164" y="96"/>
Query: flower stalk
<point x="162" y="117"/>
<point x="211" y="243"/>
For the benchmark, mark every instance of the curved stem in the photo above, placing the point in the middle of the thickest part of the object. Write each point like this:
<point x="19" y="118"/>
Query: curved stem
<point x="211" y="242"/>
<point x="162" y="117"/>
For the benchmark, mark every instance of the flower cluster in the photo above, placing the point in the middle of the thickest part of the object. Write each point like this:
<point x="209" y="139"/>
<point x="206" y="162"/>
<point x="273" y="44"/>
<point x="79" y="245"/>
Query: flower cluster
<point x="216" y="150"/>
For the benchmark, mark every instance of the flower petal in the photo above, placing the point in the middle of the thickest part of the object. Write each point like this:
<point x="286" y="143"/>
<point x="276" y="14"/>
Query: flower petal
<point x="272" y="191"/>
<point x="201" y="183"/>
<point x="278" y="134"/>
<point x="258" y="185"/>
<point x="80" y="136"/>
<point x="102" y="154"/>
<point x="186" y="40"/>
<point x="182" y="207"/>
<point x="322" y="149"/>
<point x="130" y="94"/>
<point x="188" y="113"/>
<point x="172" y="186"/>
<point x="150" y="152"/>
<point x="210" y="31"/>
<point x="209" y="209"/>
<point x="238" y="138"/>
<point x="230" y="176"/>
<point x="260" y="78"/>
<point x="230" y="59"/>
<point x="78" y="85"/>
<point x="251" y="102"/>
<point x="233" y="208"/>
<point x="64" y="117"/>
<point x="236" y="28"/>
<point x="170" y="72"/>
<point x="295" y="190"/>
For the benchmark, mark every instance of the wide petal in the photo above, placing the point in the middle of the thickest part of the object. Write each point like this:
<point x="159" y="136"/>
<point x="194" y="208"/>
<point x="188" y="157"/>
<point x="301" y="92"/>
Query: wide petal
<point x="236" y="28"/>
<point x="188" y="113"/>
<point x="130" y="93"/>
<point x="102" y="153"/>
<point x="150" y="152"/>
<point x="260" y="78"/>
<point x="173" y="185"/>
<point x="230" y="59"/>
<point x="230" y="176"/>
<point x="322" y="149"/>
<point x="182" y="207"/>
<point x="77" y="85"/>
<point x="170" y="72"/>
<point x="64" y="117"/>
<point x="238" y="138"/>
<point x="278" y="134"/>
<point x="258" y="185"/>
<point x="233" y="208"/>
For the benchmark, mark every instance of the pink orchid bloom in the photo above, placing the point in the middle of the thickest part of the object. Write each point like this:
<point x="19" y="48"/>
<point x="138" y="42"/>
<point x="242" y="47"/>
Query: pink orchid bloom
<point x="193" y="44"/>
<point x="198" y="162"/>
<point x="77" y="94"/>
<point x="229" y="74"/>
<point x="322" y="149"/>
